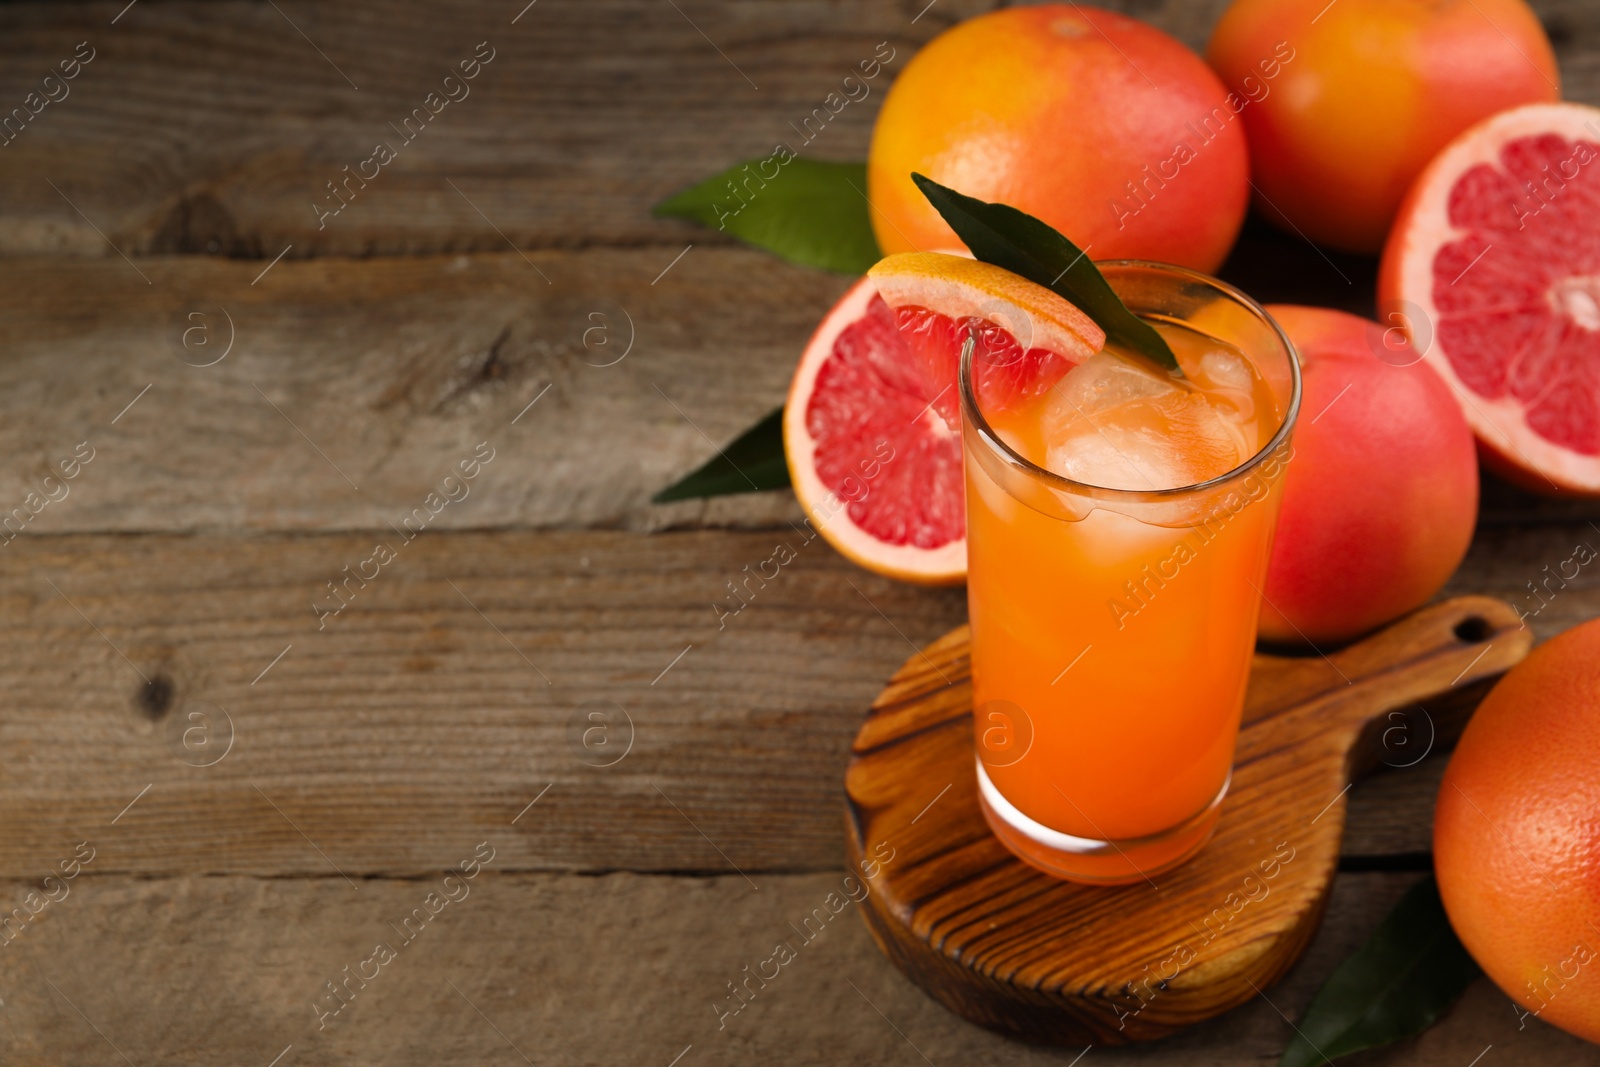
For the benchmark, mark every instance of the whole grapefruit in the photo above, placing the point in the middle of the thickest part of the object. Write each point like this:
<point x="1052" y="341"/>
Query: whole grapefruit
<point x="1108" y="129"/>
<point x="1381" y="495"/>
<point x="1349" y="100"/>
<point x="1516" y="834"/>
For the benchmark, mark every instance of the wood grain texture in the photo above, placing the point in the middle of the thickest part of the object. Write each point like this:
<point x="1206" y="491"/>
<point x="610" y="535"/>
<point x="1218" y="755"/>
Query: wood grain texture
<point x="1389" y="817"/>
<point x="590" y="971"/>
<point x="410" y="729"/>
<point x="396" y="368"/>
<point x="409" y="720"/>
<point x="385" y="746"/>
<point x="213" y="127"/>
<point x="353" y="387"/>
<point x="1013" y="949"/>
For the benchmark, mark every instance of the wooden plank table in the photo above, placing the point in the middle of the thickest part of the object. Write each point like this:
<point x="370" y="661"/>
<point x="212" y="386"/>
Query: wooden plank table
<point x="266" y="788"/>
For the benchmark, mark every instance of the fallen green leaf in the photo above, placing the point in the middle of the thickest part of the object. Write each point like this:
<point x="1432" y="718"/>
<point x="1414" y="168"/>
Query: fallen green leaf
<point x="808" y="211"/>
<point x="752" y="462"/>
<point x="1022" y="244"/>
<point x="1395" y="986"/>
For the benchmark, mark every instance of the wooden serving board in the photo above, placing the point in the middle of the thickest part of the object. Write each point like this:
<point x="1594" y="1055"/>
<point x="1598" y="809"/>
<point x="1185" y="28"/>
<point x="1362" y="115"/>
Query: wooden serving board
<point x="1012" y="949"/>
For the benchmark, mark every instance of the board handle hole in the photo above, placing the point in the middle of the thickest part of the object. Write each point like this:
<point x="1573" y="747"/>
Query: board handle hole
<point x="1472" y="629"/>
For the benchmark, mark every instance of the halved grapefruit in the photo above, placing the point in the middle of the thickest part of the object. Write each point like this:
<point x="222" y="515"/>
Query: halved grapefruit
<point x="872" y="427"/>
<point x="1493" y="270"/>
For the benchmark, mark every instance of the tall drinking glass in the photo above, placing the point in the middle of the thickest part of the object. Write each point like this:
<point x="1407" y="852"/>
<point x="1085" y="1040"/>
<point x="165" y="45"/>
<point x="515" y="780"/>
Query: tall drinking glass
<point x="1113" y="628"/>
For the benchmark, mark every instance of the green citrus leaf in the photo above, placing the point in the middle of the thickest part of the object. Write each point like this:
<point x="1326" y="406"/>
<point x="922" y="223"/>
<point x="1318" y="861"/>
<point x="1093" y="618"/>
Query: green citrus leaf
<point x="1395" y="986"/>
<point x="752" y="462"/>
<point x="1022" y="244"/>
<point x="808" y="211"/>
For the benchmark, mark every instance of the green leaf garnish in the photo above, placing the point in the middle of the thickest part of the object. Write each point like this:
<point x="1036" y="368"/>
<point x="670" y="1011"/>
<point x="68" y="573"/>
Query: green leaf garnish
<point x="1022" y="244"/>
<point x="752" y="462"/>
<point x="808" y="211"/>
<point x="1395" y="986"/>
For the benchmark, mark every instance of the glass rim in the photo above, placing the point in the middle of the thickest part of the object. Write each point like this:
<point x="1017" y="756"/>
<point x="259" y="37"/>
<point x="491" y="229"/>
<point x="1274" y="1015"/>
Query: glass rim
<point x="975" y="418"/>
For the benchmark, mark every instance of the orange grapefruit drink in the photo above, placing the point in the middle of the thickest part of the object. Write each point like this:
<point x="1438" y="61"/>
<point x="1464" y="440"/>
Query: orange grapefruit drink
<point x="1118" y="528"/>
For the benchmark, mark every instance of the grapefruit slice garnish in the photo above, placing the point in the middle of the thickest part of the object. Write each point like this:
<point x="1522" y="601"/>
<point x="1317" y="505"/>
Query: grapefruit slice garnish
<point x="872" y="427"/>
<point x="1493" y="267"/>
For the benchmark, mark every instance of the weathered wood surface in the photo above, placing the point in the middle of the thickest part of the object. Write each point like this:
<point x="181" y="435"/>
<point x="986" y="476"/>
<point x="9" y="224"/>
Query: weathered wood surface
<point x="408" y="716"/>
<point x="616" y="969"/>
<point x="410" y="729"/>
<point x="408" y="721"/>
<point x="353" y="387"/>
<point x="213" y="127"/>
<point x="388" y="372"/>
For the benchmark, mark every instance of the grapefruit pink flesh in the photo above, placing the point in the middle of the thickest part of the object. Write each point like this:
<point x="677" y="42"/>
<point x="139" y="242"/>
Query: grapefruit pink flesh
<point x="1495" y="266"/>
<point x="878" y="398"/>
<point x="890" y="387"/>
<point x="1524" y="324"/>
<point x="872" y="429"/>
